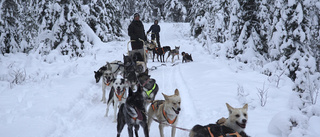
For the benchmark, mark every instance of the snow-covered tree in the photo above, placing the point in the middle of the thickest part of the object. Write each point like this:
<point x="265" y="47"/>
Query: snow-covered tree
<point x="174" y="11"/>
<point x="9" y="37"/>
<point x="278" y="32"/>
<point x="29" y="25"/>
<point x="103" y="19"/>
<point x="145" y="9"/>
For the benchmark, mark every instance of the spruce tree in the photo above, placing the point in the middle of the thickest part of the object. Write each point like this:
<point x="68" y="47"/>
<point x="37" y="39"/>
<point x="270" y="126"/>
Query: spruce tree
<point x="175" y="11"/>
<point x="9" y="34"/>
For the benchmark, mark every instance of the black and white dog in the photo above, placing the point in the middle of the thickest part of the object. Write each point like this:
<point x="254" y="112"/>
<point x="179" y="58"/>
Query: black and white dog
<point x="149" y="87"/>
<point x="132" y="114"/>
<point x="117" y="96"/>
<point x="186" y="57"/>
<point x="108" y="73"/>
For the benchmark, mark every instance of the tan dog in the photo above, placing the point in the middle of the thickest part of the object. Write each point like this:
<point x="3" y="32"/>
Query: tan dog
<point x="165" y="111"/>
<point x="234" y="125"/>
<point x="237" y="119"/>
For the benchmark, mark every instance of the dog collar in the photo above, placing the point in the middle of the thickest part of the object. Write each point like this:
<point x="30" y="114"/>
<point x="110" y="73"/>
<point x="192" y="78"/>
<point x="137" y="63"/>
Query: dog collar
<point x="150" y="91"/>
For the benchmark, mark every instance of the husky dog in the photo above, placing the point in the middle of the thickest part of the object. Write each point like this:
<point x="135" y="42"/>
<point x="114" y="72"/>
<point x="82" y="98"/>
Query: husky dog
<point x="116" y="68"/>
<point x="99" y="72"/>
<point x="130" y="71"/>
<point x="132" y="113"/>
<point x="173" y="52"/>
<point x="148" y="86"/>
<point x="166" y="112"/>
<point x="150" y="47"/>
<point x="237" y="119"/>
<point x="160" y="52"/>
<point x="234" y="125"/>
<point x="117" y="96"/>
<point x="186" y="57"/>
<point x="107" y="80"/>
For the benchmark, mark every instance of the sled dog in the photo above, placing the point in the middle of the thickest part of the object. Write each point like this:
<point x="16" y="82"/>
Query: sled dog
<point x="173" y="53"/>
<point x="233" y="126"/>
<point x="150" y="45"/>
<point x="117" y="96"/>
<point x="165" y="112"/>
<point x="116" y="68"/>
<point x="160" y="52"/>
<point x="108" y="73"/>
<point x="132" y="114"/>
<point x="149" y="87"/>
<point x="186" y="57"/>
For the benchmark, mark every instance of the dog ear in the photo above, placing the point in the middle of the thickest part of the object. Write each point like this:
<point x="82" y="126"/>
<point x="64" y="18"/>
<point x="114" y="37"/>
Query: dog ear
<point x="176" y="92"/>
<point x="245" y="107"/>
<point x="122" y="81"/>
<point x="109" y="66"/>
<point x="230" y="109"/>
<point x="165" y="96"/>
<point x="95" y="72"/>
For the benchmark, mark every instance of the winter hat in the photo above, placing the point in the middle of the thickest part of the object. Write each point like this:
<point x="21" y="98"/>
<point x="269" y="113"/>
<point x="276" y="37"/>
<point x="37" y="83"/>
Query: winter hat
<point x="136" y="14"/>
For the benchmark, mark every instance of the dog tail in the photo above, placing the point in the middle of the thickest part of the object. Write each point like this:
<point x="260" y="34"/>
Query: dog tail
<point x="194" y="130"/>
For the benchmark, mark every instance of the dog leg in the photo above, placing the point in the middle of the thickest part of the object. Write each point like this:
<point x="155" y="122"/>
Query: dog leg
<point x="110" y="100"/>
<point x="168" y="57"/>
<point x="115" y="106"/>
<point x="172" y="58"/>
<point x="173" y="132"/>
<point x="130" y="131"/>
<point x="136" y="129"/>
<point x="107" y="110"/>
<point x="153" y="55"/>
<point x="162" y="56"/>
<point x="145" y="128"/>
<point x="150" y="114"/>
<point x="121" y="121"/>
<point x="103" y="93"/>
<point x="161" y="130"/>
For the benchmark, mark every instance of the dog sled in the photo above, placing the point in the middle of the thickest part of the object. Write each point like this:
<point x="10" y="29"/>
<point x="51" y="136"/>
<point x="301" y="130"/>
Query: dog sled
<point x="139" y="55"/>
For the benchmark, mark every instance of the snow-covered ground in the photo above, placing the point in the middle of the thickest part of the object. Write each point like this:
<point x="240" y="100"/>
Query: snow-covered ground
<point x="61" y="98"/>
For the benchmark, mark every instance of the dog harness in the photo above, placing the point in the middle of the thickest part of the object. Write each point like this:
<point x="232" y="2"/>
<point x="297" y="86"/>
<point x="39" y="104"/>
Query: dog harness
<point x="236" y="134"/>
<point x="120" y="96"/>
<point x="166" y="117"/>
<point x="155" y="105"/>
<point x="160" y="49"/>
<point x="150" y="91"/>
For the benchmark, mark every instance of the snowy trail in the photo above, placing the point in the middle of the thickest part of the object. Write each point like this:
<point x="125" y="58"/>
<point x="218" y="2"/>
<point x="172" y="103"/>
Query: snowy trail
<point x="61" y="99"/>
<point x="86" y="112"/>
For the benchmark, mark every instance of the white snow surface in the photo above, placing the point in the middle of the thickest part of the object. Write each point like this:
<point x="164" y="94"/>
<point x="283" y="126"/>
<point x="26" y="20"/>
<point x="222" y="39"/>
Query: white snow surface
<point x="61" y="98"/>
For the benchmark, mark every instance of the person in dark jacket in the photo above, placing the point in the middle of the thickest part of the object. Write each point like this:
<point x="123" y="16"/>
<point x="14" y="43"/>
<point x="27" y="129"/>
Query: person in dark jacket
<point x="155" y="28"/>
<point x="136" y="32"/>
